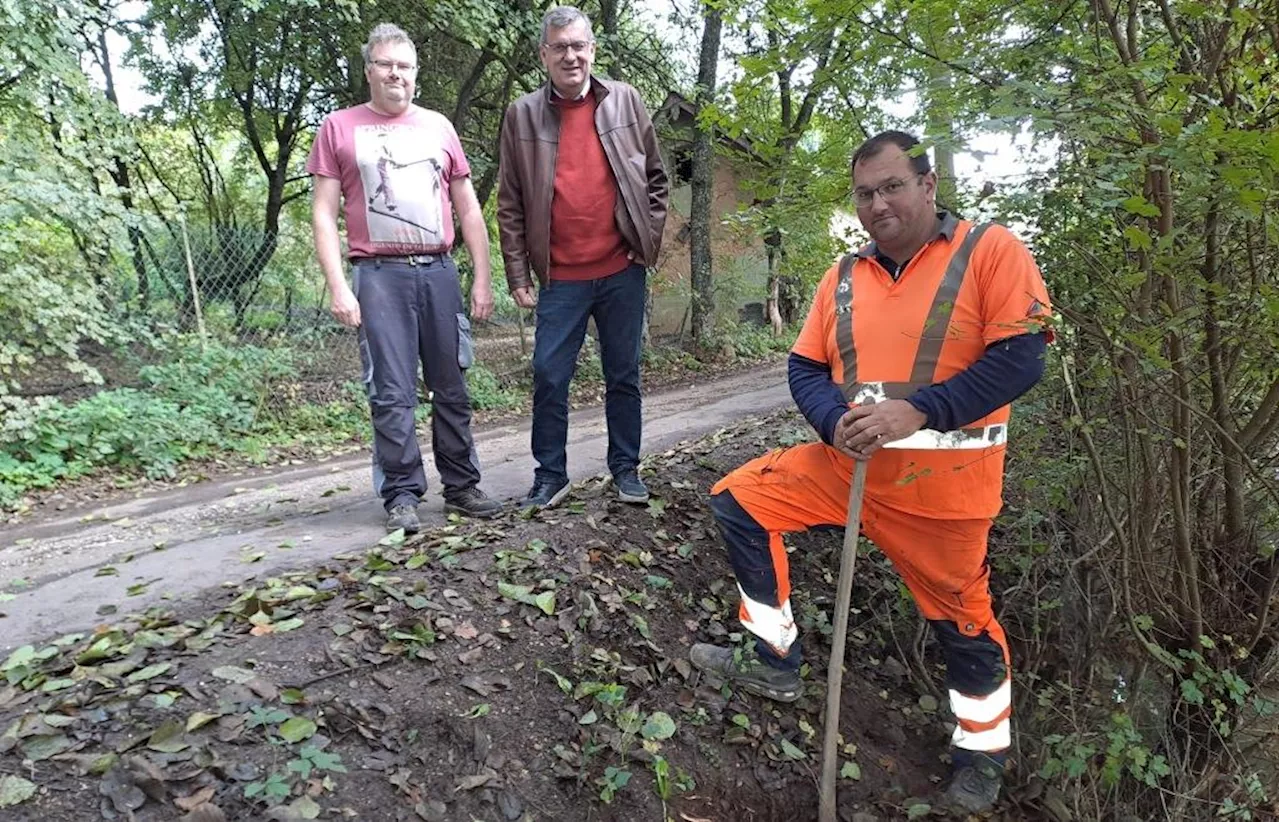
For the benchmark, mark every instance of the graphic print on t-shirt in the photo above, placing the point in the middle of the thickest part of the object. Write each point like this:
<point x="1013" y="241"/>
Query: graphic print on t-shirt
<point x="403" y="182"/>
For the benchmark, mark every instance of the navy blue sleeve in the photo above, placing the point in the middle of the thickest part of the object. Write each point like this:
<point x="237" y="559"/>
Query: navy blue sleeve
<point x="818" y="398"/>
<point x="1003" y="373"/>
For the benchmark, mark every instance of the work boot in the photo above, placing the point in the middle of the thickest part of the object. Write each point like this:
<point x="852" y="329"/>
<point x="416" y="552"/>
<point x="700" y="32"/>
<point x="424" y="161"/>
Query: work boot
<point x="546" y="493"/>
<point x="975" y="783"/>
<point x="403" y="517"/>
<point x="630" y="488"/>
<point x="472" y="502"/>
<point x="745" y="669"/>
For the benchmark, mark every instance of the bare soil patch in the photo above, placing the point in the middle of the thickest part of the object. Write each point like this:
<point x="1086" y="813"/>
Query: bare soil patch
<point x="530" y="668"/>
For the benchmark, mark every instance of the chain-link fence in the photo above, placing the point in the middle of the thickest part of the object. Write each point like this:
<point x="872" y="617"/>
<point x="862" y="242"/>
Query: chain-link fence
<point x="236" y="286"/>
<point x="224" y="280"/>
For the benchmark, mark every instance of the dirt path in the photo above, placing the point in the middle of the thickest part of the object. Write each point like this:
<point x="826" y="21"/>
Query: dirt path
<point x="71" y="572"/>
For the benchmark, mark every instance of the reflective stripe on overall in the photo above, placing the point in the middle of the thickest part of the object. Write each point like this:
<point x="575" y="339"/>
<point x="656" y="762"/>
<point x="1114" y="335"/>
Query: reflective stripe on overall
<point x="978" y="682"/>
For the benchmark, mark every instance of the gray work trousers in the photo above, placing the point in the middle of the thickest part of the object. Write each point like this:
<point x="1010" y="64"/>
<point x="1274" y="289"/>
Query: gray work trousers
<point x="411" y="310"/>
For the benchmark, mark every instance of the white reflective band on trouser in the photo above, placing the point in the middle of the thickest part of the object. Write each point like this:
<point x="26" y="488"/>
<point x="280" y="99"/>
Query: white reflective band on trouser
<point x="928" y="439"/>
<point x="774" y="625"/>
<point x="996" y="739"/>
<point x="983" y="710"/>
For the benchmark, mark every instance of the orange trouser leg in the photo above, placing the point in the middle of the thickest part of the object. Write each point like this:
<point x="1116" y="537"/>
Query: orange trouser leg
<point x="944" y="565"/>
<point x="942" y="562"/>
<point x="754" y="506"/>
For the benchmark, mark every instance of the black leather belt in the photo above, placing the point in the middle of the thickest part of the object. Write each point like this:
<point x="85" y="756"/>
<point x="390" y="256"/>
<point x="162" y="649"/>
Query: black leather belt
<point x="405" y="259"/>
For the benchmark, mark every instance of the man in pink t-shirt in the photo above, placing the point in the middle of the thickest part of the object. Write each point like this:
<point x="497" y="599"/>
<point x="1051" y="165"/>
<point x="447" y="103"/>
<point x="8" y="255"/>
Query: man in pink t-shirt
<point x="399" y="173"/>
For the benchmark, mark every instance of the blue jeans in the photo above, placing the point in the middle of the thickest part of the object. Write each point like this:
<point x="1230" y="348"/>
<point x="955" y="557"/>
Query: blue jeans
<point x="617" y="304"/>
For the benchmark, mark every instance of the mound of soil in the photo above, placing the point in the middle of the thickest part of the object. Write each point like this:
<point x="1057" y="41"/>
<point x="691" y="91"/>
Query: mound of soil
<point x="528" y="668"/>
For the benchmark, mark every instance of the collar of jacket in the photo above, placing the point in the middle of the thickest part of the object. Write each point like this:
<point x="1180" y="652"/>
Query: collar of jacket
<point x="598" y="88"/>
<point x="947" y="224"/>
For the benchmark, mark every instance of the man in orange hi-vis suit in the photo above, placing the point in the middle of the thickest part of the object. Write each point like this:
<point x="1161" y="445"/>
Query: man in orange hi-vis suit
<point x="909" y="358"/>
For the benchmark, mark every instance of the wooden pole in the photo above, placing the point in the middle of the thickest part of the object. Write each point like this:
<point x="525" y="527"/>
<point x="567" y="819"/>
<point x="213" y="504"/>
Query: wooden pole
<point x="835" y="668"/>
<point x="191" y="278"/>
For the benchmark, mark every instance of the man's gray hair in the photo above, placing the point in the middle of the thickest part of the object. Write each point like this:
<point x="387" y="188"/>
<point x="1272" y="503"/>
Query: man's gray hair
<point x="385" y="33"/>
<point x="561" y="17"/>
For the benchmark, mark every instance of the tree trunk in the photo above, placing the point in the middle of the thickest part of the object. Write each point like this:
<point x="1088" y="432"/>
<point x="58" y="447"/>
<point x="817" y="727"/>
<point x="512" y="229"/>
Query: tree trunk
<point x="609" y="28"/>
<point x="467" y="92"/>
<point x="701" y="184"/>
<point x="772" y="307"/>
<point x="487" y="182"/>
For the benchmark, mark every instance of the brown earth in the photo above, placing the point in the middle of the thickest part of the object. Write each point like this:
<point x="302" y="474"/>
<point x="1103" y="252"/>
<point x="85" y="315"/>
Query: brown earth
<point x="426" y="689"/>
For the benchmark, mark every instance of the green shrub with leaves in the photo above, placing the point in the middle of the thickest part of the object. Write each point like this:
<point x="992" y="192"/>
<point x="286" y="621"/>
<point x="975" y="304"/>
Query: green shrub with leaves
<point x="228" y="384"/>
<point x="487" y="392"/>
<point x="206" y="399"/>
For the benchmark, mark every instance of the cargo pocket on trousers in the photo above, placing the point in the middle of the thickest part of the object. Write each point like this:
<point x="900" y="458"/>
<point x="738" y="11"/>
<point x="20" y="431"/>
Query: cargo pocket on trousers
<point x="466" y="349"/>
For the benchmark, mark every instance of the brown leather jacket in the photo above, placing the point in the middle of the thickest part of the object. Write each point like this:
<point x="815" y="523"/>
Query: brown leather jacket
<point x="527" y="172"/>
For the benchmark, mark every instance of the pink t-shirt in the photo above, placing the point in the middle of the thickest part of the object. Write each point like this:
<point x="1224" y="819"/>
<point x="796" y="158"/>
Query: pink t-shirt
<point x="395" y="174"/>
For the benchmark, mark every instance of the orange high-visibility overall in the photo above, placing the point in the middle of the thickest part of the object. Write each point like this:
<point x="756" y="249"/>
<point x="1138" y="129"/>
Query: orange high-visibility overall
<point x="931" y="498"/>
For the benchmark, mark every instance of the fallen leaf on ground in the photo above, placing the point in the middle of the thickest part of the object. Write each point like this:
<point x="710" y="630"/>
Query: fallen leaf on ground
<point x="15" y="790"/>
<point x="297" y="729"/>
<point x="168" y="738"/>
<point x="485" y="684"/>
<point x="470" y="783"/>
<point x="44" y="746"/>
<point x="263" y="688"/>
<point x="195" y="800"/>
<point x="149" y="672"/>
<point x="119" y="788"/>
<point x="205" y="813"/>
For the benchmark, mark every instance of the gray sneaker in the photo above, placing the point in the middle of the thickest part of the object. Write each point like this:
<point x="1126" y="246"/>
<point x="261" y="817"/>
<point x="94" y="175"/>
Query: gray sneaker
<point x="975" y="786"/>
<point x="403" y="517"/>
<point x="747" y="671"/>
<point x="630" y="488"/>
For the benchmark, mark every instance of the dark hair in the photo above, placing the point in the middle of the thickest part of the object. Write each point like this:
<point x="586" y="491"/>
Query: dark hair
<point x="901" y="139"/>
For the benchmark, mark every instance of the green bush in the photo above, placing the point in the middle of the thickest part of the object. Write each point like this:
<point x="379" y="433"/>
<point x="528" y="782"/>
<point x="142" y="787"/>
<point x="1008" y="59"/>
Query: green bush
<point x="755" y="343"/>
<point x="207" y="399"/>
<point x="224" y="384"/>
<point x="202" y="400"/>
<point x="124" y="427"/>
<point x="487" y="392"/>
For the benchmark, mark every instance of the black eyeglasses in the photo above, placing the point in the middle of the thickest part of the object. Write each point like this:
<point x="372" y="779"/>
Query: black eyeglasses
<point x="889" y="190"/>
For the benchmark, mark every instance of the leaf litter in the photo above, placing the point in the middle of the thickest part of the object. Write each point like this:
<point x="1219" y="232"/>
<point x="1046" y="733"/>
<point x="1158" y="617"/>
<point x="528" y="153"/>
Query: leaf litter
<point x="572" y="626"/>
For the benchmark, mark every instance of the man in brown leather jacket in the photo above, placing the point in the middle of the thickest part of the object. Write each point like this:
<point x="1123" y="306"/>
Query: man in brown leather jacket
<point x="581" y="206"/>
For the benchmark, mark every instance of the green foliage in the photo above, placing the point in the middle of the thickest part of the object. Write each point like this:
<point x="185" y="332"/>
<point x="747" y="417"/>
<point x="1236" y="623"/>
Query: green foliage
<point x="57" y="136"/>
<point x="756" y="343"/>
<point x="1128" y="754"/>
<point x="205" y="376"/>
<point x="204" y="401"/>
<point x="487" y="392"/>
<point x="274" y="789"/>
<point x="613" y="781"/>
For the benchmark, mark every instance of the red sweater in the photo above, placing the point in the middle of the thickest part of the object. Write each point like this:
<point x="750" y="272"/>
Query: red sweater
<point x="585" y="241"/>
